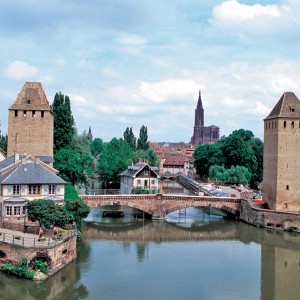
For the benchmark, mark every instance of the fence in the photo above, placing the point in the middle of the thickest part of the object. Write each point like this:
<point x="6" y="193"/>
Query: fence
<point x="34" y="242"/>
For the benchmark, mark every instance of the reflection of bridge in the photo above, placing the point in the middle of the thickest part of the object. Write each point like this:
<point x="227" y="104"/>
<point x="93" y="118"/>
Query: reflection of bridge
<point x="160" y="231"/>
<point x="158" y="206"/>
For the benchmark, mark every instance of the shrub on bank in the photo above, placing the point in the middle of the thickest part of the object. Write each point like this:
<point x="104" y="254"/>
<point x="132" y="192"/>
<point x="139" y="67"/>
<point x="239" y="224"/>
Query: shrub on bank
<point x="20" y="270"/>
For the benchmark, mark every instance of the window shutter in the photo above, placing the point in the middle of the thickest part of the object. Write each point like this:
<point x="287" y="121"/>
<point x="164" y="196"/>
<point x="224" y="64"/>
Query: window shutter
<point x="23" y="189"/>
<point x="58" y="189"/>
<point x="10" y="190"/>
<point x="46" y="192"/>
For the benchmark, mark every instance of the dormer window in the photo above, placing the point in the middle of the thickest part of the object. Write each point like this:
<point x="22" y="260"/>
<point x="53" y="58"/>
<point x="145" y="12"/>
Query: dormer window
<point x="292" y="109"/>
<point x="28" y="101"/>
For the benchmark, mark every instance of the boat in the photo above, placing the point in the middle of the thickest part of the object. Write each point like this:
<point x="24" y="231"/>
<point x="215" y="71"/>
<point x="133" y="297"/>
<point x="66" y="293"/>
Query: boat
<point x="112" y="213"/>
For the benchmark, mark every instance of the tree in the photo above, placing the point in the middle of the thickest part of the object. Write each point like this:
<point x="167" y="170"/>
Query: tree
<point x="75" y="206"/>
<point x="142" y="142"/>
<point x="114" y="159"/>
<point x="148" y="155"/>
<point x="3" y="142"/>
<point x="130" y="138"/>
<point x="48" y="213"/>
<point x="96" y="146"/>
<point x="257" y="146"/>
<point x="63" y="122"/>
<point x="74" y="166"/>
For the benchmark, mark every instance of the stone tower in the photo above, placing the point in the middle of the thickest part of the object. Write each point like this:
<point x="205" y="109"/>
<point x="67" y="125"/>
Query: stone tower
<point x="30" y="123"/>
<point x="281" y="185"/>
<point x="203" y="134"/>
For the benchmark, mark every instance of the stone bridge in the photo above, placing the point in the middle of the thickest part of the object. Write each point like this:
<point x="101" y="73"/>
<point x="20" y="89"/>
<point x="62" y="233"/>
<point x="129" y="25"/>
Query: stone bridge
<point x="159" y="205"/>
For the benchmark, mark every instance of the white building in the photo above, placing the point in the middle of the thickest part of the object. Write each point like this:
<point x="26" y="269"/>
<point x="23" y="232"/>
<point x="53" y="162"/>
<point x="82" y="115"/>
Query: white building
<point x="141" y="175"/>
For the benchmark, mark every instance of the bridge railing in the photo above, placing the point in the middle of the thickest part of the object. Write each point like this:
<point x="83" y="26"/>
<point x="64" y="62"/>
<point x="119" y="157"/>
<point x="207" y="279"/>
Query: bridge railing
<point x="35" y="241"/>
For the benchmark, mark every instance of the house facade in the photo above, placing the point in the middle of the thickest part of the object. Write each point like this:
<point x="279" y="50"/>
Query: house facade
<point x="141" y="175"/>
<point x="26" y="178"/>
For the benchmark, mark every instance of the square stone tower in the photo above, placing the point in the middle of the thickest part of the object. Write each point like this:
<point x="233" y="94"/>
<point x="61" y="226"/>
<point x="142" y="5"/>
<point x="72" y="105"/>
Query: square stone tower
<point x="30" y="123"/>
<point x="281" y="183"/>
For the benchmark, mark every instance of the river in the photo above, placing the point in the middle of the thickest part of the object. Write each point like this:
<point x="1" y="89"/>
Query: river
<point x="191" y="255"/>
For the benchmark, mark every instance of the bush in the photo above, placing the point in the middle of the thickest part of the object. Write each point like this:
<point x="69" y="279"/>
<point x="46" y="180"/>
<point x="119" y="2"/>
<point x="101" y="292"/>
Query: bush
<point x="40" y="265"/>
<point x="20" y="270"/>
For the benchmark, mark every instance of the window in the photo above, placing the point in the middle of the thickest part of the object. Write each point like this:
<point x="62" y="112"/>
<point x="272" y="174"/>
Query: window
<point x="146" y="172"/>
<point x="33" y="113"/>
<point x="51" y="189"/>
<point x="17" y="210"/>
<point x="24" y="113"/>
<point x="16" y="189"/>
<point x="284" y="124"/>
<point x="287" y="187"/>
<point x="28" y="101"/>
<point x="34" y="189"/>
<point x="152" y="182"/>
<point x="16" y="113"/>
<point x="139" y="181"/>
<point x="8" y="210"/>
<point x="42" y="114"/>
<point x="293" y="124"/>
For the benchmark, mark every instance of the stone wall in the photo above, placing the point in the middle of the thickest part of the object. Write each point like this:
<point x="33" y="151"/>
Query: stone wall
<point x="268" y="218"/>
<point x="60" y="254"/>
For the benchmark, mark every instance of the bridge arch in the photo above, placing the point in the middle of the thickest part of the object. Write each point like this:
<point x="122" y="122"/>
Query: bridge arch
<point x="159" y="205"/>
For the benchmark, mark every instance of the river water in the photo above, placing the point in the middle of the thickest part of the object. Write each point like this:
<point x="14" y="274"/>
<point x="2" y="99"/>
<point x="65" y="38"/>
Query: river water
<point x="191" y="255"/>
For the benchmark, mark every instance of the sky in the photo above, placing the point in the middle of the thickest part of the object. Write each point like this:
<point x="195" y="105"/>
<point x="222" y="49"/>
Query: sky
<point x="128" y="63"/>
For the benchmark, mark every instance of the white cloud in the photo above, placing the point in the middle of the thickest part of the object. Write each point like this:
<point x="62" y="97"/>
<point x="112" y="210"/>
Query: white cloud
<point x="59" y="62"/>
<point x="110" y="72"/>
<point x="20" y="70"/>
<point x="234" y="12"/>
<point x="132" y="40"/>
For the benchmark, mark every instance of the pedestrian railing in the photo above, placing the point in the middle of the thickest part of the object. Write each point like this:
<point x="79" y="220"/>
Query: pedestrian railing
<point x="34" y="242"/>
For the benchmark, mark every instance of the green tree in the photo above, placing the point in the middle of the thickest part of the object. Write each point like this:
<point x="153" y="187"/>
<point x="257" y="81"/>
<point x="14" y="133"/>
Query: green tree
<point x="257" y="146"/>
<point x="63" y="122"/>
<point x="48" y="213"/>
<point x="75" y="206"/>
<point x="3" y="142"/>
<point x="74" y="166"/>
<point x="96" y="146"/>
<point x="130" y="138"/>
<point x="149" y="155"/>
<point x="142" y="142"/>
<point x="114" y="159"/>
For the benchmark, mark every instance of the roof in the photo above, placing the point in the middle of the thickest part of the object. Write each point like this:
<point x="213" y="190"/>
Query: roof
<point x="178" y="160"/>
<point x="30" y="173"/>
<point x="12" y="159"/>
<point x="31" y="97"/>
<point x="288" y="106"/>
<point x="15" y="199"/>
<point x="132" y="171"/>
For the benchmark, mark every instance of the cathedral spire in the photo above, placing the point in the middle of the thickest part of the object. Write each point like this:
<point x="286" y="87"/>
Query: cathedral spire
<point x="199" y="104"/>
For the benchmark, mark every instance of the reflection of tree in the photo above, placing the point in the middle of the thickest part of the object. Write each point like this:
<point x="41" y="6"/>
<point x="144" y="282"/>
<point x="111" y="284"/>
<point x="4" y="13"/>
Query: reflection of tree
<point x="141" y="251"/>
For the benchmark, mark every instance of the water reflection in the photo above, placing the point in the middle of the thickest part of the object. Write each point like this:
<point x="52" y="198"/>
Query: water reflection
<point x="195" y="257"/>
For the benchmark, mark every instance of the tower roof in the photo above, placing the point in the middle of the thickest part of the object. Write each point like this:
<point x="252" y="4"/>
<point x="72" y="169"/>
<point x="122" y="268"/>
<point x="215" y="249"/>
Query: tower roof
<point x="31" y="97"/>
<point x="199" y="104"/>
<point x="288" y="106"/>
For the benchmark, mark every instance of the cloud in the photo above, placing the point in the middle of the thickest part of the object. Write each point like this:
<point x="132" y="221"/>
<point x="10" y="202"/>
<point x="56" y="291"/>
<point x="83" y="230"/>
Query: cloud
<point x="21" y="70"/>
<point x="109" y="72"/>
<point x="132" y="40"/>
<point x="234" y="12"/>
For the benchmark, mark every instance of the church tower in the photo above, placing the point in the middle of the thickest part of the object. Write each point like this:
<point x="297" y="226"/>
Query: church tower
<point x="203" y="134"/>
<point x="197" y="137"/>
<point x="30" y="123"/>
<point x="281" y="182"/>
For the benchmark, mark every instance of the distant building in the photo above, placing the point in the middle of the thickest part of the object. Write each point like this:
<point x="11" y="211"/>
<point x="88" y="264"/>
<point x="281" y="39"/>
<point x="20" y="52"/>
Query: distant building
<point x="141" y="175"/>
<point x="203" y="134"/>
<point x="30" y="123"/>
<point x="281" y="181"/>
<point x="25" y="178"/>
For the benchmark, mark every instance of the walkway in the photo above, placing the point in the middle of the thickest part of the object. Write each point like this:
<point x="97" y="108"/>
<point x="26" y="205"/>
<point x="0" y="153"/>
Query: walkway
<point x="29" y="240"/>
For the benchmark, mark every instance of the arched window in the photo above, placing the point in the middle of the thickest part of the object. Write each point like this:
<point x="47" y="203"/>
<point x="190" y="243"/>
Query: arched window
<point x="284" y="124"/>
